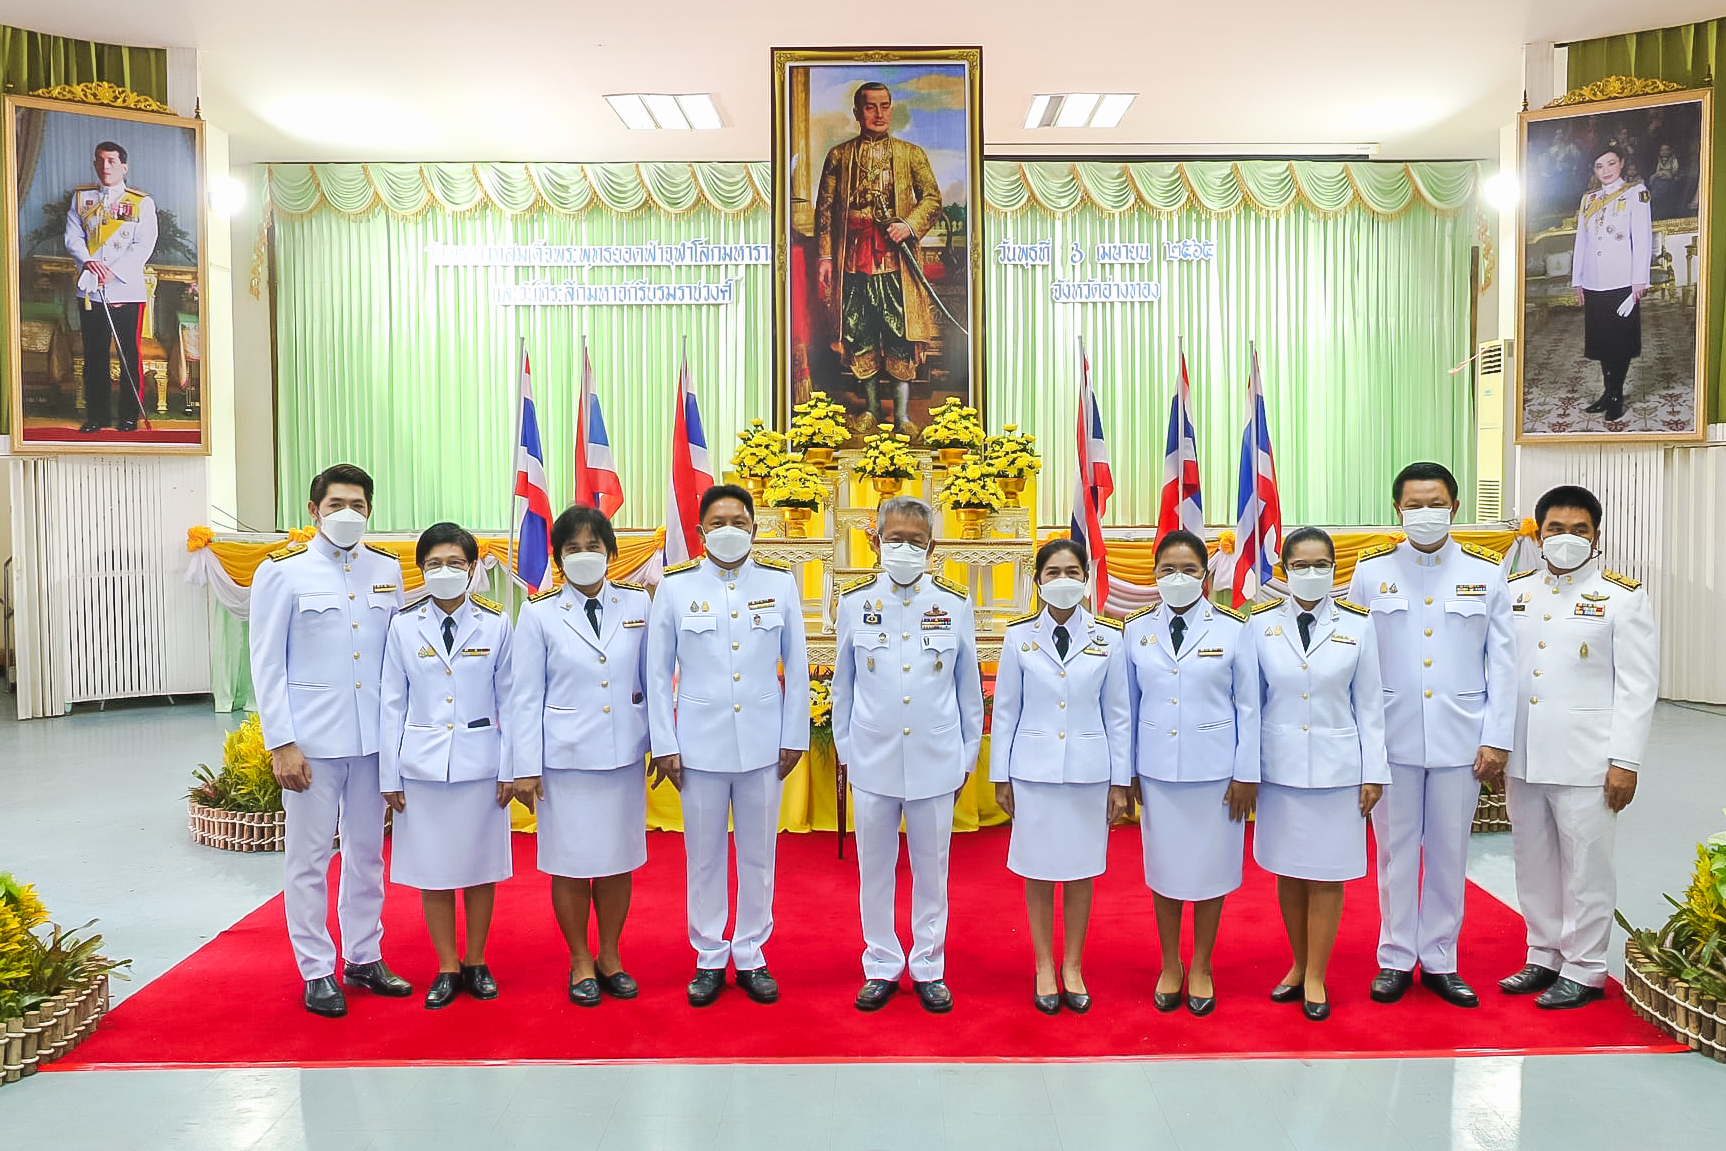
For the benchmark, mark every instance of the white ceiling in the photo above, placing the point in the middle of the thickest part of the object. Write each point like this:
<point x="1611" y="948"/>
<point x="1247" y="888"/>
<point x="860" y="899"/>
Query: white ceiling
<point x="522" y="79"/>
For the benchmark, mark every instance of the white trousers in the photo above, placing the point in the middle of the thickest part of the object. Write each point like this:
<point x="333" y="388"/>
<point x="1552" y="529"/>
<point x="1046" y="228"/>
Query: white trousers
<point x="1566" y="884"/>
<point x="1422" y="826"/>
<point x="751" y="800"/>
<point x="343" y="798"/>
<point x="928" y="836"/>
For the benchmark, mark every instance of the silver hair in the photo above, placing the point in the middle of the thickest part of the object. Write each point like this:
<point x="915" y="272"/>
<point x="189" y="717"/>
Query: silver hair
<point x="909" y="506"/>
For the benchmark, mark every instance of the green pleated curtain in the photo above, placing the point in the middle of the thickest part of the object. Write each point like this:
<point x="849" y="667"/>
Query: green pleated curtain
<point x="1352" y="278"/>
<point x="1691" y="56"/>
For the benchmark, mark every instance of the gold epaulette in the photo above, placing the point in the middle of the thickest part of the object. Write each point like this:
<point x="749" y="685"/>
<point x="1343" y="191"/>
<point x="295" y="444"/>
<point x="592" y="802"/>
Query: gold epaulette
<point x="953" y="586"/>
<point x="1373" y="553"/>
<point x="1487" y="554"/>
<point x="628" y="584"/>
<point x="484" y="604"/>
<point x="771" y="564"/>
<point x="685" y="566"/>
<point x="1111" y="621"/>
<point x="1523" y="574"/>
<point x="1622" y="581"/>
<point x="1026" y="618"/>
<point x="383" y="551"/>
<point x="1266" y="606"/>
<point x="284" y="552"/>
<point x="1136" y="613"/>
<point x="1232" y="613"/>
<point x="859" y="583"/>
<point x="1345" y="605"/>
<point x="414" y="604"/>
<point x="547" y="594"/>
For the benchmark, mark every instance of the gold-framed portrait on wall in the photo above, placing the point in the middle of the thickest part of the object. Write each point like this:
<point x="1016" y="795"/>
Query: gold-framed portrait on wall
<point x="877" y="196"/>
<point x="105" y="266"/>
<point x="1613" y="235"/>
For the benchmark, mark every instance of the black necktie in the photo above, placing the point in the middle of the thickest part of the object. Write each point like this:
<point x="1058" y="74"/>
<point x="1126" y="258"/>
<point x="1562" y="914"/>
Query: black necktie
<point x="1177" y="631"/>
<point x="1061" y="640"/>
<point x="449" y="633"/>
<point x="593" y="614"/>
<point x="1306" y="621"/>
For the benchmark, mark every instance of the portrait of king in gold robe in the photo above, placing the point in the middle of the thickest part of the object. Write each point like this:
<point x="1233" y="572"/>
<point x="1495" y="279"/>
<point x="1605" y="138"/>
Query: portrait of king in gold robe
<point x="877" y="199"/>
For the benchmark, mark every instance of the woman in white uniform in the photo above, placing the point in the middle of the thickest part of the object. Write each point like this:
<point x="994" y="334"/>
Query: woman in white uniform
<point x="1060" y="759"/>
<point x="1193" y="678"/>
<point x="581" y="737"/>
<point x="1323" y="758"/>
<point x="445" y="765"/>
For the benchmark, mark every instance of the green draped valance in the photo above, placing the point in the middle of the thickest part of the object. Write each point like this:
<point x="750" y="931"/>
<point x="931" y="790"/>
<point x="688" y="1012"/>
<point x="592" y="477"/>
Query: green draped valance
<point x="33" y="60"/>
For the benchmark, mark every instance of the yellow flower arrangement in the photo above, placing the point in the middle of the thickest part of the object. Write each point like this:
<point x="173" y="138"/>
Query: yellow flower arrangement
<point x="1011" y="454"/>
<point x="762" y="449"/>
<point x="887" y="455"/>
<point x="795" y="484"/>
<point x="953" y="425"/>
<point x="818" y="423"/>
<point x="970" y="485"/>
<point x="247" y="781"/>
<point x="35" y="965"/>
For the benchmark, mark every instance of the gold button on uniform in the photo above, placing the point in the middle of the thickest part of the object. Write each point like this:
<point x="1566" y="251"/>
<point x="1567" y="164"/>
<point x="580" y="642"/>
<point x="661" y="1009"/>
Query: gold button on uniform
<point x="356" y="627"/>
<point x="733" y="615"/>
<point x="907" y="731"/>
<point x="905" y="667"/>
<point x="1428" y="599"/>
<point x="904" y="635"/>
<point x="1303" y="727"/>
<point x="907" y="699"/>
<point x="606" y="709"/>
<point x="449" y="726"/>
<point x="350" y="595"/>
<point x="1428" y="631"/>
<point x="731" y="587"/>
<point x="1536" y="671"/>
<point x="602" y="657"/>
<point x="735" y="676"/>
<point x="1429" y="693"/>
<point x="1548" y="615"/>
<point x="447" y="671"/>
<point x="357" y="684"/>
<point x="1064" y="703"/>
<point x="356" y="655"/>
<point x="605" y="683"/>
<point x="1426" y="663"/>
<point x="736" y="707"/>
<point x="1542" y="643"/>
<point x="733" y="648"/>
<point x="449" y="699"/>
<point x="1534" y="699"/>
<point x="1303" y="695"/>
<point x="1062" y="735"/>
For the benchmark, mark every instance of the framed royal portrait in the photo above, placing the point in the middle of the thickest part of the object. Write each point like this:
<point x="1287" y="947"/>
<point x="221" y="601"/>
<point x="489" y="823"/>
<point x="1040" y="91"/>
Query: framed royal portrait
<point x="1613" y="238"/>
<point x="877" y="193"/>
<point x="105" y="264"/>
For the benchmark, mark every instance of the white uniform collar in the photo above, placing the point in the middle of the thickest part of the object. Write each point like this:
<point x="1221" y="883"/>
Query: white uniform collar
<point x="905" y="589"/>
<point x="1434" y="559"/>
<point x="1581" y="575"/>
<point x="1608" y="189"/>
<point x="109" y="195"/>
<point x="322" y="545"/>
<point x="439" y="613"/>
<point x="731" y="572"/>
<point x="1324" y="607"/>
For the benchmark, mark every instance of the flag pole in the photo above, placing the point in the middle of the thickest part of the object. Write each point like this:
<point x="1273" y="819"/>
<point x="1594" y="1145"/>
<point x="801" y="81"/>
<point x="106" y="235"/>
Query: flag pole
<point x="514" y="448"/>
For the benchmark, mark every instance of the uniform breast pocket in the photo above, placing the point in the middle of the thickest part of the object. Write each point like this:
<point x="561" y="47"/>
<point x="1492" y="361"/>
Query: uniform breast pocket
<point x="313" y="604"/>
<point x="766" y="621"/>
<point x="1466" y="611"/>
<point x="383" y="600"/>
<point x="698" y="623"/>
<point x="941" y="643"/>
<point x="1385" y="604"/>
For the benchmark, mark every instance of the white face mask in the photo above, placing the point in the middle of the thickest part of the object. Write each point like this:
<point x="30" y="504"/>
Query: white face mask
<point x="1566" y="552"/>
<point x="343" y="528"/>
<point x="904" y="562"/>
<point x="584" y="569"/>
<point x="728" y="545"/>
<point x="1179" y="589"/>
<point x="1063" y="593"/>
<point x="1426" y="526"/>
<point x="1312" y="583"/>
<point x="446" y="583"/>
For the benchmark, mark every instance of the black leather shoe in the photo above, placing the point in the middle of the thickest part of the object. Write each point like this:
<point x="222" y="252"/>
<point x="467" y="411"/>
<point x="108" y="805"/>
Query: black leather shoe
<point x="706" y="986"/>
<point x="875" y="993"/>
<point x="91" y="426"/>
<point x="378" y="979"/>
<point x="1166" y="1001"/>
<point x="1532" y="979"/>
<point x="933" y="994"/>
<point x="1567" y="993"/>
<point x="1597" y="406"/>
<point x="759" y="985"/>
<point x="618" y="985"/>
<point x="1201" y="1005"/>
<point x="442" y="992"/>
<point x="1283" y="993"/>
<point x="1047" y="1004"/>
<point x="1389" y="984"/>
<point x="478" y="981"/>
<point x="1451" y="988"/>
<point x="1078" y="1002"/>
<point x="584" y="993"/>
<point x="1317" y="1012"/>
<point x="324" y="997"/>
<point x="126" y="426"/>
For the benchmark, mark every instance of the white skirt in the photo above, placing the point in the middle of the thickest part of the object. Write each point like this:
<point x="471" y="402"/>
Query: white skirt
<point x="1193" y="850"/>
<point x="450" y="836"/>
<point x="1060" y="830"/>
<point x="593" y="823"/>
<point x="1313" y="833"/>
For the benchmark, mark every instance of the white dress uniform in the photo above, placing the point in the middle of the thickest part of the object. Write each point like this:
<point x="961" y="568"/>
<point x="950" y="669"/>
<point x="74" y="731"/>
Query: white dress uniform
<point x="578" y="721"/>
<point x="446" y="746"/>
<point x="1195" y="729"/>
<point x="1321" y="738"/>
<point x="1449" y="668"/>
<point x="116" y="226"/>
<point x="319" y="618"/>
<point x="1062" y="734"/>
<point x="1588" y="673"/>
<point x="907" y="723"/>
<point x="1614" y="239"/>
<point x="723" y="634"/>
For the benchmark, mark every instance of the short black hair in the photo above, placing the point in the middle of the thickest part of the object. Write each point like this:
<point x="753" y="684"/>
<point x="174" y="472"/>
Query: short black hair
<point x="110" y="146"/>
<point x="446" y="533"/>
<point x="573" y="519"/>
<point x="1054" y="547"/>
<point x="1305" y="535"/>
<point x="1424" y="470"/>
<point x="725" y="492"/>
<point x="868" y="86"/>
<point x="1182" y="538"/>
<point x="340" y="474"/>
<point x="1568" y="496"/>
<point x="1613" y="148"/>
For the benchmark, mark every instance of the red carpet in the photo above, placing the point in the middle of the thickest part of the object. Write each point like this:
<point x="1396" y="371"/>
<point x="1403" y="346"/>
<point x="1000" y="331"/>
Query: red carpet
<point x="235" y="1002"/>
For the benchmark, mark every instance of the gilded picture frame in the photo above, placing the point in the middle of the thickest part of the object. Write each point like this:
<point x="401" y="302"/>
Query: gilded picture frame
<point x="1585" y="337"/>
<point x="77" y="152"/>
<point x="878" y="174"/>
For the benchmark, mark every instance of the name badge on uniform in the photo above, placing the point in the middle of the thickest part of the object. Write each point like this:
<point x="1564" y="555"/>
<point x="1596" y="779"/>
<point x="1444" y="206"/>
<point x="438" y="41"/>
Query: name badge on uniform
<point x="634" y="623"/>
<point x="768" y="602"/>
<point x="427" y="652"/>
<point x="871" y="618"/>
<point x="1212" y="651"/>
<point x="1474" y="589"/>
<point x="1349" y="639"/>
<point x="383" y="587"/>
<point x="476" y="651"/>
<point x="1591" y="610"/>
<point x="1095" y="649"/>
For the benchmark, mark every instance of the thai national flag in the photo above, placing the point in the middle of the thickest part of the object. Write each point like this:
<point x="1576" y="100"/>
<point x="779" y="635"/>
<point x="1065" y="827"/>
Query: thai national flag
<point x="1093" y="485"/>
<point x="532" y="517"/>
<point x="691" y="473"/>
<point x="597" y="483"/>
<point x="1182" y="505"/>
<point x="1259" y="530"/>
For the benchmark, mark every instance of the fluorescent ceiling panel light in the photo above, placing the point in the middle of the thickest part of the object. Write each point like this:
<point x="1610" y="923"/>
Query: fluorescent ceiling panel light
<point x="1111" y="108"/>
<point x="698" y="109"/>
<point x="1076" y="110"/>
<point x="631" y="111"/>
<point x="1039" y="110"/>
<point x="666" y="113"/>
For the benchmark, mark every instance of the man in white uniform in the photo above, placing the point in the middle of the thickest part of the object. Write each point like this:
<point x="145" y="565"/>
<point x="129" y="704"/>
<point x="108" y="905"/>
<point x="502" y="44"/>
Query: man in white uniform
<point x="1609" y="272"/>
<point x="907" y="726"/>
<point x="320" y="615"/>
<point x="1588" y="673"/>
<point x="1449" y="670"/>
<point x="111" y="234"/>
<point x="721" y="629"/>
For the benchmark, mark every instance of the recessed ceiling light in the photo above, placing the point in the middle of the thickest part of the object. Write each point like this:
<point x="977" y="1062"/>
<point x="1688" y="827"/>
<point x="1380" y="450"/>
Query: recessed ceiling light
<point x="1076" y="110"/>
<point x="631" y="111"/>
<point x="666" y="113"/>
<point x="1111" y="108"/>
<point x="677" y="113"/>
<point x="699" y="110"/>
<point x="1039" y="109"/>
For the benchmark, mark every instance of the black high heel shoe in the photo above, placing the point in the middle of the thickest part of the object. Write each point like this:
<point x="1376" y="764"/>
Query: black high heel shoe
<point x="1047" y="1004"/>
<point x="1078" y="1002"/>
<point x="1283" y="993"/>
<point x="1167" y="1001"/>
<point x="1317" y="1012"/>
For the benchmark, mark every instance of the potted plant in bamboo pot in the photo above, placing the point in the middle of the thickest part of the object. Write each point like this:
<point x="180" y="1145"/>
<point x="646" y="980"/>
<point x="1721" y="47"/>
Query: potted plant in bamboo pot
<point x="1012" y="457"/>
<point x="887" y="461"/>
<point x="953" y="430"/>
<point x="971" y="494"/>
<point x="238" y="808"/>
<point x="760" y="451"/>
<point x="798" y="488"/>
<point x="53" y="983"/>
<point x="817" y="428"/>
<point x="1675" y="975"/>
